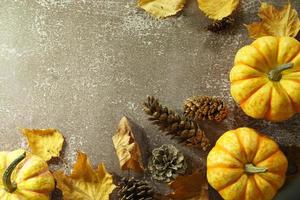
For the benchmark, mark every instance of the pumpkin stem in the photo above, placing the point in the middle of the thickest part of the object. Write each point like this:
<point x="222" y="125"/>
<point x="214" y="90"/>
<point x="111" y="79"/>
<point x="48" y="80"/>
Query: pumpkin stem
<point x="251" y="169"/>
<point x="6" y="179"/>
<point x="275" y="74"/>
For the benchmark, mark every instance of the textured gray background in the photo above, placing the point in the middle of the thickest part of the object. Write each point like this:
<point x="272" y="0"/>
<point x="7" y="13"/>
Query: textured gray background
<point x="80" y="65"/>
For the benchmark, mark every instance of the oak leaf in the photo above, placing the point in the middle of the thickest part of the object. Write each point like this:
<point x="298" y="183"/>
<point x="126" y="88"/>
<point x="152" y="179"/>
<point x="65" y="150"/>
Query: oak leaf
<point x="162" y="8"/>
<point x="217" y="9"/>
<point x="274" y="22"/>
<point x="45" y="143"/>
<point x="190" y="187"/>
<point x="85" y="182"/>
<point x="127" y="149"/>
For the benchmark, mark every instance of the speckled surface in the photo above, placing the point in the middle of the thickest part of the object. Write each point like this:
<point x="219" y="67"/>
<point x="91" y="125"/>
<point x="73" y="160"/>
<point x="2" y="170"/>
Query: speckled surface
<point x="80" y="65"/>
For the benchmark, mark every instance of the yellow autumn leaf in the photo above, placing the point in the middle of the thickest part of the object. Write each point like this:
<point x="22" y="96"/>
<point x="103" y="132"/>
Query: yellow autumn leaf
<point x="85" y="182"/>
<point x="45" y="143"/>
<point x="274" y="22"/>
<point x="191" y="187"/>
<point x="162" y="8"/>
<point x="217" y="9"/>
<point x="128" y="151"/>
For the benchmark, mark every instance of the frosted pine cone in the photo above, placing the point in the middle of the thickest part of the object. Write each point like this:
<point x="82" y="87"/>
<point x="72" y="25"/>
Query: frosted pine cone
<point x="166" y="163"/>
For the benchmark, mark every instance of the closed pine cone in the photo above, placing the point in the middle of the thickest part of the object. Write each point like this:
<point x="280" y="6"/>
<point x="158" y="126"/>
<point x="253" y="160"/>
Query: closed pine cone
<point x="184" y="130"/>
<point x="132" y="189"/>
<point x="205" y="108"/>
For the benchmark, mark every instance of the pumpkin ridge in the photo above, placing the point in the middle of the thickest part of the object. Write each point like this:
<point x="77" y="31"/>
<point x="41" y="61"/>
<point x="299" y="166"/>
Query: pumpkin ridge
<point x="41" y="191"/>
<point x="268" y="156"/>
<point x="242" y="148"/>
<point x="231" y="182"/>
<point x="277" y="47"/>
<point x="246" y="78"/>
<point x="268" y="111"/>
<point x="274" y="185"/>
<point x="40" y="173"/>
<point x="271" y="184"/>
<point x="251" y="93"/>
<point x="295" y="56"/>
<point x="290" y="98"/>
<point x="263" y="55"/>
<point x="242" y="63"/>
<point x="224" y="166"/>
<point x="228" y="152"/>
<point x="256" y="185"/>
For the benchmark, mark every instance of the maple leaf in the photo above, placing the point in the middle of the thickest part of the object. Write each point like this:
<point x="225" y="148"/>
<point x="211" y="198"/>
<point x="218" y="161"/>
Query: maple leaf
<point x="162" y="8"/>
<point x="217" y="9"/>
<point x="191" y="187"/>
<point x="45" y="143"/>
<point x="274" y="22"/>
<point x="85" y="182"/>
<point x="128" y="151"/>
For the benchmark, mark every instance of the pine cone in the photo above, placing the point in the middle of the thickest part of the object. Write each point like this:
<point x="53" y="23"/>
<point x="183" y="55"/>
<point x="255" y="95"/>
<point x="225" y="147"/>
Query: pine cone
<point x="132" y="189"/>
<point x="205" y="108"/>
<point x="220" y="25"/>
<point x="166" y="163"/>
<point x="183" y="129"/>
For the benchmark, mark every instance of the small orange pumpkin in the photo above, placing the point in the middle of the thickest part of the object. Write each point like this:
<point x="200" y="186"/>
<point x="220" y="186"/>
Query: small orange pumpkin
<point x="24" y="177"/>
<point x="246" y="165"/>
<point x="265" y="79"/>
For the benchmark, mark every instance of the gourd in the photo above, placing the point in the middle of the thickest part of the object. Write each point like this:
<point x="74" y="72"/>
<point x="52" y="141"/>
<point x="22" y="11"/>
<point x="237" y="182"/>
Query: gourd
<point x="24" y="177"/>
<point x="265" y="78"/>
<point x="246" y="165"/>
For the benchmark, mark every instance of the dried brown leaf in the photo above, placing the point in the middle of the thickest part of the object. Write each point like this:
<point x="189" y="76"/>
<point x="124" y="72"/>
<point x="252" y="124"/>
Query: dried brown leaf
<point x="45" y="143"/>
<point x="274" y="22"/>
<point x="85" y="182"/>
<point x="127" y="149"/>
<point x="191" y="187"/>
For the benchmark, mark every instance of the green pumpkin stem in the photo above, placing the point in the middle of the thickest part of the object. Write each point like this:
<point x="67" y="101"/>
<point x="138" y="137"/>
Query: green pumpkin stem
<point x="6" y="179"/>
<point x="251" y="169"/>
<point x="275" y="74"/>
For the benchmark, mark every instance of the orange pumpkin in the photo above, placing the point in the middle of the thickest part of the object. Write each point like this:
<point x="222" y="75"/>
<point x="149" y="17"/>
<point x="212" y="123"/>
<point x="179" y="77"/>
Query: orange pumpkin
<point x="246" y="165"/>
<point x="24" y="177"/>
<point x="265" y="79"/>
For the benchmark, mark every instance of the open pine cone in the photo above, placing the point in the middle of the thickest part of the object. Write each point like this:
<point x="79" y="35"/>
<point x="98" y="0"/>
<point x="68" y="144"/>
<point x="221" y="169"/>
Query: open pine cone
<point x="181" y="128"/>
<point x="166" y="163"/>
<point x="205" y="108"/>
<point x="132" y="189"/>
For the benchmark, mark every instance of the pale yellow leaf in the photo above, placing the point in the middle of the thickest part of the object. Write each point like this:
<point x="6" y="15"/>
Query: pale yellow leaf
<point x="217" y="9"/>
<point x="85" y="182"/>
<point x="162" y="8"/>
<point x="274" y="22"/>
<point x="45" y="143"/>
<point x="191" y="187"/>
<point x="127" y="149"/>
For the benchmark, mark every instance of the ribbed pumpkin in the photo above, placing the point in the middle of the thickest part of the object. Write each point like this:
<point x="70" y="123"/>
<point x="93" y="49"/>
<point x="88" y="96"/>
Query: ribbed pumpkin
<point x="24" y="177"/>
<point x="246" y="165"/>
<point x="265" y="79"/>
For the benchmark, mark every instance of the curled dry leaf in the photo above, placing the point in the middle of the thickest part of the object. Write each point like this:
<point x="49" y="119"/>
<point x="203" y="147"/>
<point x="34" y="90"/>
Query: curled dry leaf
<point x="85" y="182"/>
<point x="217" y="9"/>
<point x="162" y="8"/>
<point x="128" y="151"/>
<point x="274" y="22"/>
<point x="192" y="187"/>
<point x="45" y="143"/>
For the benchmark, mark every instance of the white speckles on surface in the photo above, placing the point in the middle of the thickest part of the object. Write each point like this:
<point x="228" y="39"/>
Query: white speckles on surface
<point x="80" y="65"/>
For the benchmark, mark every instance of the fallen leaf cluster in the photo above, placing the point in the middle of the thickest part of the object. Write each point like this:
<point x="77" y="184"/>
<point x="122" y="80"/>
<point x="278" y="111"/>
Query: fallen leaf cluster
<point x="87" y="182"/>
<point x="274" y="22"/>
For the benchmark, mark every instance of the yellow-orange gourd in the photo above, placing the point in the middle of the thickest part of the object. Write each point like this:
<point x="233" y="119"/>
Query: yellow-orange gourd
<point x="246" y="165"/>
<point x="24" y="177"/>
<point x="265" y="78"/>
